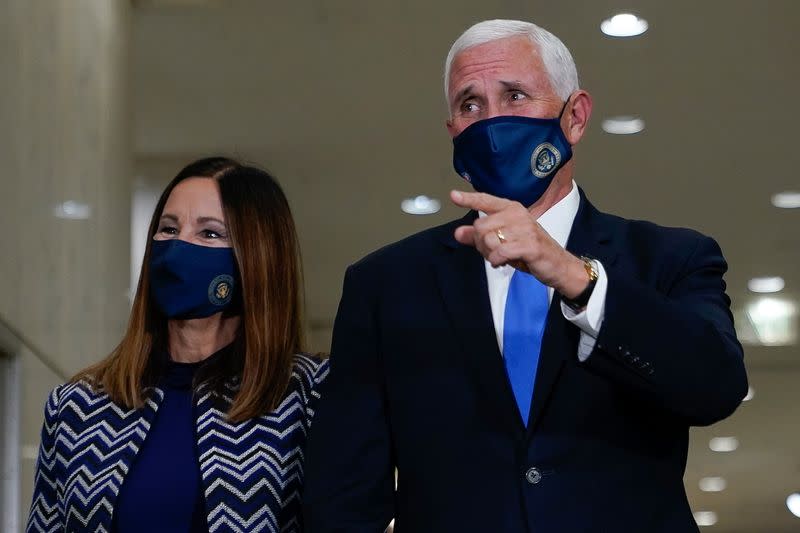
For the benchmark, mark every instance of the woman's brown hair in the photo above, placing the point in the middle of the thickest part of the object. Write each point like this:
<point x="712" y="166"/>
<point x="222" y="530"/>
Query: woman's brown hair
<point x="265" y="244"/>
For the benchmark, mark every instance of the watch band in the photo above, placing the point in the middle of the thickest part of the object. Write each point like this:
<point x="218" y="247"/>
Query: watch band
<point x="581" y="300"/>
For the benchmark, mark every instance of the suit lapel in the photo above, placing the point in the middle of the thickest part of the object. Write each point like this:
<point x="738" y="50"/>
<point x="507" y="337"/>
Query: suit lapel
<point x="91" y="491"/>
<point x="144" y="419"/>
<point x="588" y="237"/>
<point x="462" y="282"/>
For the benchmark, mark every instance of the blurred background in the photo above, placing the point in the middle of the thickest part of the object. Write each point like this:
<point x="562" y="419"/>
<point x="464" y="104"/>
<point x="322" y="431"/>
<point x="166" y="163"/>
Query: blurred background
<point x="103" y="101"/>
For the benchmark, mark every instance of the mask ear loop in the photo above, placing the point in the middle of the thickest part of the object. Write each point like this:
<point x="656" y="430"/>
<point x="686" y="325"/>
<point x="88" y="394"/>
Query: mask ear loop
<point x="564" y="107"/>
<point x="561" y="114"/>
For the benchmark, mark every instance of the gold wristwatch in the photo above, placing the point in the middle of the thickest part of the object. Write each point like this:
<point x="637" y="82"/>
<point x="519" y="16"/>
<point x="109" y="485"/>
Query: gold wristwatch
<point x="581" y="300"/>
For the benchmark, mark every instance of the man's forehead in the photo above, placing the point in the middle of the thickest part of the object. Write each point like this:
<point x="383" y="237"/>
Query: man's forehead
<point x="512" y="61"/>
<point x="508" y="49"/>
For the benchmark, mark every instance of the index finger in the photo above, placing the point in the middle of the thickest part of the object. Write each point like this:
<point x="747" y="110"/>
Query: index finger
<point x="479" y="201"/>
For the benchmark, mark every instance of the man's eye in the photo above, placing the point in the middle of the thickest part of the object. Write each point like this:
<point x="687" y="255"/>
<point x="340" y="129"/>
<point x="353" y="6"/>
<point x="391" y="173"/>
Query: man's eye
<point x="518" y="96"/>
<point x="469" y="107"/>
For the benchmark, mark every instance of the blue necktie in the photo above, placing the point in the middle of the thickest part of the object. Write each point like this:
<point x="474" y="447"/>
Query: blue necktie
<point x="526" y="313"/>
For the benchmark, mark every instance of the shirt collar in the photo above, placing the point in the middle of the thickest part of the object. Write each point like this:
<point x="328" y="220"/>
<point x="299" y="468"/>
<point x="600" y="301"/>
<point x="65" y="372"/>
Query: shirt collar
<point x="557" y="221"/>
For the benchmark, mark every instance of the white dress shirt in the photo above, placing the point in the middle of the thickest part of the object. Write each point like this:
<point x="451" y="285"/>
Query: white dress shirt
<point x="556" y="221"/>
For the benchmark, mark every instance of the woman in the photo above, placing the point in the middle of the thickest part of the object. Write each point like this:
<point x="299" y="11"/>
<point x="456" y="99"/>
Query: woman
<point x="197" y="420"/>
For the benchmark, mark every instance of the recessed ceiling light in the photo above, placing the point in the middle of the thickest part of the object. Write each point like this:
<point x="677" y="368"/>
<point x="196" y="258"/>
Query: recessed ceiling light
<point x="712" y="484"/>
<point x="793" y="503"/>
<point x="786" y="199"/>
<point x="773" y="320"/>
<point x="723" y="444"/>
<point x="624" y="25"/>
<point x="72" y="210"/>
<point x="705" y="518"/>
<point x="623" y="125"/>
<point x="766" y="284"/>
<point x="750" y="394"/>
<point x="770" y="307"/>
<point x="421" y="205"/>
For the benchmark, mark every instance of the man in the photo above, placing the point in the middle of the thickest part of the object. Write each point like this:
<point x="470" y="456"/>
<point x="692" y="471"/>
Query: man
<point x="535" y="365"/>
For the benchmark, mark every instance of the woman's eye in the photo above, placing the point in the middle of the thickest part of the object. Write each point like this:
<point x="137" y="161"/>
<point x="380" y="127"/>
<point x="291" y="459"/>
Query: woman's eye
<point x="211" y="234"/>
<point x="168" y="230"/>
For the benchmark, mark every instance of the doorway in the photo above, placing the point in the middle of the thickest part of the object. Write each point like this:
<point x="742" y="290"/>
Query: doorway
<point x="9" y="442"/>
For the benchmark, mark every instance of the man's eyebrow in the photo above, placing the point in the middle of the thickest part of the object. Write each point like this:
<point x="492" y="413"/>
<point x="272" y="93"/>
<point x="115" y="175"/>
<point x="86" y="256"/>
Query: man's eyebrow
<point x="512" y="84"/>
<point x="463" y="92"/>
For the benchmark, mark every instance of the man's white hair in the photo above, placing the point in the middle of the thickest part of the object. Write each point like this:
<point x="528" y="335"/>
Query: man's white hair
<point x="557" y="60"/>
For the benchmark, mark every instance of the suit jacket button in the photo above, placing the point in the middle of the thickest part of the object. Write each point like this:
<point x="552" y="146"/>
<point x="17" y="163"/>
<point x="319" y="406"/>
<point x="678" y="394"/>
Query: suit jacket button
<point x="533" y="475"/>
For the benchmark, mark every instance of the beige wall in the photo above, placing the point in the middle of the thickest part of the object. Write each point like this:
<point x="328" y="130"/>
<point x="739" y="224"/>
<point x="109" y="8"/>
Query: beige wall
<point x="64" y="137"/>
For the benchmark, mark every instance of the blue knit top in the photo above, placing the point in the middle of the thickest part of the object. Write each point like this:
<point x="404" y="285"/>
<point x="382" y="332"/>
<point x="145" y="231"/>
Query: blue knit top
<point x="162" y="491"/>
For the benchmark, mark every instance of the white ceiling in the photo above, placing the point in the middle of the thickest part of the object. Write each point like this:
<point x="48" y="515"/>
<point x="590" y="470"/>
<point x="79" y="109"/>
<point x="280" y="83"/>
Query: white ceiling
<point x="342" y="101"/>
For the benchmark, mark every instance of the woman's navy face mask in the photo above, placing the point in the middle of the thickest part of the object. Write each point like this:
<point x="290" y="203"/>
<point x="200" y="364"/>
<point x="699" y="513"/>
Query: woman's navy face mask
<point x="192" y="281"/>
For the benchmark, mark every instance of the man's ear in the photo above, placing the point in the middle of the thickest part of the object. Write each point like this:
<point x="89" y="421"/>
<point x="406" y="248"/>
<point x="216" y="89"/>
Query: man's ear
<point x="576" y="116"/>
<point x="451" y="129"/>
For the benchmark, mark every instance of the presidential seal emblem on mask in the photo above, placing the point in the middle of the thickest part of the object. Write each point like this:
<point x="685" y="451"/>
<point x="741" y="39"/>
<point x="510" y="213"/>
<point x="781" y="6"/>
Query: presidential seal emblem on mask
<point x="544" y="159"/>
<point x="220" y="290"/>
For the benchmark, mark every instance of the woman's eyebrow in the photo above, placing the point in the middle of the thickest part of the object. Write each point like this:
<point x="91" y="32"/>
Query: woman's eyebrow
<point x="202" y="220"/>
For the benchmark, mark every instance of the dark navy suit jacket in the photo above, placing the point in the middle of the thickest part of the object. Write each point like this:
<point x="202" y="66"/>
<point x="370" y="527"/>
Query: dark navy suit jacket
<point x="417" y="383"/>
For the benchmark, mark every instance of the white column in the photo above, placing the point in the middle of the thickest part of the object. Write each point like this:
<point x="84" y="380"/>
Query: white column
<point x="65" y="169"/>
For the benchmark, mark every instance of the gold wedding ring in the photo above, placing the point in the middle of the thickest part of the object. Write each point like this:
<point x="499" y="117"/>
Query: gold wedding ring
<point x="500" y="235"/>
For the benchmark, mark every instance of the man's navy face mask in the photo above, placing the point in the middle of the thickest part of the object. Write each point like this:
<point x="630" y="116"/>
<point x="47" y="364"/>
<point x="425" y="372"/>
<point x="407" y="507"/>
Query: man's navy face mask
<point x="192" y="281"/>
<point x="512" y="157"/>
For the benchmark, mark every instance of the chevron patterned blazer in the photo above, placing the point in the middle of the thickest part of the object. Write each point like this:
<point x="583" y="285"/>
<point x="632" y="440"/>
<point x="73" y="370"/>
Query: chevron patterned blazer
<point x="252" y="472"/>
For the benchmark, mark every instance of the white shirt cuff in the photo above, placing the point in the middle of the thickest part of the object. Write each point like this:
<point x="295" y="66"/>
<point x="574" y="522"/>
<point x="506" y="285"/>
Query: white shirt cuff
<point x="590" y="319"/>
